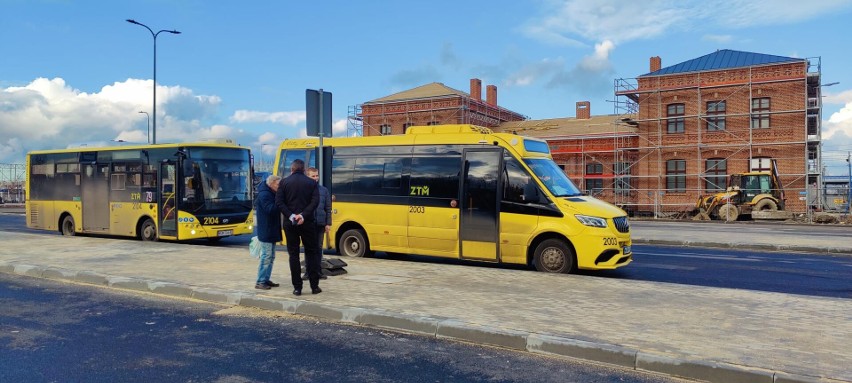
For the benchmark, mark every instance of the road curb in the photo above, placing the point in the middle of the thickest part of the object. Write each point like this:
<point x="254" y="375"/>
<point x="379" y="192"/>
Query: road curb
<point x="611" y="354"/>
<point x="758" y="247"/>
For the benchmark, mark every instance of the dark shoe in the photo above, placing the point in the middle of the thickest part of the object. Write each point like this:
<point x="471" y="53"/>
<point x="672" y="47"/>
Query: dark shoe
<point x="316" y="290"/>
<point x="272" y="284"/>
<point x="297" y="292"/>
<point x="262" y="286"/>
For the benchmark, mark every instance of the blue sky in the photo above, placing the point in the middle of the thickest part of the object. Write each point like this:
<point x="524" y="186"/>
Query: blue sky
<point x="75" y="72"/>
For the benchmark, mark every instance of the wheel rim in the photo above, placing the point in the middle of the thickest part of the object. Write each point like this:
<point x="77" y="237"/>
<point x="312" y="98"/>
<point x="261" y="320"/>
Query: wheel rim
<point x="353" y="246"/>
<point x="67" y="226"/>
<point x="148" y="232"/>
<point x="552" y="259"/>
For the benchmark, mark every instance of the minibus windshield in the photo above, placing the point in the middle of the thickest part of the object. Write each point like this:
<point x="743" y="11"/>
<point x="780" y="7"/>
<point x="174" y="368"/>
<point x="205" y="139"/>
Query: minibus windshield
<point x="553" y="178"/>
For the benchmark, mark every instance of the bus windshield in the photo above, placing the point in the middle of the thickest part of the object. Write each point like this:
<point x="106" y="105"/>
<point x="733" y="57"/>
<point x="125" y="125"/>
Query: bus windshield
<point x="552" y="177"/>
<point x="217" y="179"/>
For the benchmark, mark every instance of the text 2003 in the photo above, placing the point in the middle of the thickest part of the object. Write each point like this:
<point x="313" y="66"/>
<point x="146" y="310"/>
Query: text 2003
<point x="610" y="241"/>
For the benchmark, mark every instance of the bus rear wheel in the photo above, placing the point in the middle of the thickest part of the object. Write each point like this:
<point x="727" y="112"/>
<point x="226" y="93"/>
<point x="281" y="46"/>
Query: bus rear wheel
<point x="554" y="256"/>
<point x="148" y="231"/>
<point x="68" y="227"/>
<point x="353" y="243"/>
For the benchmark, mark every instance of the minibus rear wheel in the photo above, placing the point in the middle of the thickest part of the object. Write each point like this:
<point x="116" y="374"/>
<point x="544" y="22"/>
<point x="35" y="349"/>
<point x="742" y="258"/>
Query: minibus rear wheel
<point x="554" y="256"/>
<point x="68" y="226"/>
<point x="353" y="243"/>
<point x="148" y="231"/>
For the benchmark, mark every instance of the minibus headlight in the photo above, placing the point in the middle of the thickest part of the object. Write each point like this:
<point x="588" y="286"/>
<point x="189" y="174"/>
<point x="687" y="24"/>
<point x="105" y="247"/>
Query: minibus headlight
<point x="591" y="221"/>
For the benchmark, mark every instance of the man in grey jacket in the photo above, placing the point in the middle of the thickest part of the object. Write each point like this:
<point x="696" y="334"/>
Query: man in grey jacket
<point x="323" y="212"/>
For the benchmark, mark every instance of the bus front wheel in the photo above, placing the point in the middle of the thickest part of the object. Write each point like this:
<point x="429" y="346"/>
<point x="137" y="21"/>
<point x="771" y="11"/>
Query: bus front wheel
<point x="353" y="243"/>
<point x="148" y="231"/>
<point x="554" y="256"/>
<point x="68" y="227"/>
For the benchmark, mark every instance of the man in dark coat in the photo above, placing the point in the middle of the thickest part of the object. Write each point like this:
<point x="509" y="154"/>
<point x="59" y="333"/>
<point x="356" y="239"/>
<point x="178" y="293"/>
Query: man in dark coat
<point x="268" y="230"/>
<point x="297" y="198"/>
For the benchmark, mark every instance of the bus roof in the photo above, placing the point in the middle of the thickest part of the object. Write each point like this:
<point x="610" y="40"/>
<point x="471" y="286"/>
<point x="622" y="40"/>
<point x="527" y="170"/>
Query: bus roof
<point x="433" y="135"/>
<point x="216" y="144"/>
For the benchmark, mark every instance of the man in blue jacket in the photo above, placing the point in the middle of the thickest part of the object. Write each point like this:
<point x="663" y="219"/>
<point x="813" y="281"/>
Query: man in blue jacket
<point x="297" y="198"/>
<point x="268" y="230"/>
<point x="322" y="215"/>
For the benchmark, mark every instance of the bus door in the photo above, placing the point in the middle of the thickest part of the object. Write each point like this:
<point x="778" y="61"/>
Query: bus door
<point x="168" y="200"/>
<point x="478" y="227"/>
<point x="95" y="197"/>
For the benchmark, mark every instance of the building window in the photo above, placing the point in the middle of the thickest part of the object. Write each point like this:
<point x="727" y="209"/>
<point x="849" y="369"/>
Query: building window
<point x="622" y="177"/>
<point x="761" y="164"/>
<point x="675" y="118"/>
<point x="676" y="175"/>
<point x="715" y="174"/>
<point x="432" y="123"/>
<point x="716" y="115"/>
<point x="385" y="129"/>
<point x="594" y="186"/>
<point x="760" y="113"/>
<point x="405" y="127"/>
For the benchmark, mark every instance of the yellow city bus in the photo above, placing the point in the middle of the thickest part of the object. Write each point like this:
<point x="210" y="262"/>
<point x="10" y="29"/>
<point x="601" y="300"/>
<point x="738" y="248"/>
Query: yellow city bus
<point x="462" y="191"/>
<point x="164" y="191"/>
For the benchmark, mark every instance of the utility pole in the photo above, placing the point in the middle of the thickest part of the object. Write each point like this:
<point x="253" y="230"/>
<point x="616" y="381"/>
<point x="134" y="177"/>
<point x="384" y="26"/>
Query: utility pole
<point x="849" y="185"/>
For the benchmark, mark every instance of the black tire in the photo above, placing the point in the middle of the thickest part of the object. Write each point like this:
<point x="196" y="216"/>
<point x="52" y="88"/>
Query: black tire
<point x="353" y="243"/>
<point x="148" y="231"/>
<point x="554" y="256"/>
<point x="766" y="204"/>
<point x="728" y="213"/>
<point x="67" y="227"/>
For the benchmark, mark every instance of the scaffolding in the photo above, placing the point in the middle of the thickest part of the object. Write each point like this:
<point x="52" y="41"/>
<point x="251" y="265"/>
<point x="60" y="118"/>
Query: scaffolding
<point x="12" y="178"/>
<point x="726" y="137"/>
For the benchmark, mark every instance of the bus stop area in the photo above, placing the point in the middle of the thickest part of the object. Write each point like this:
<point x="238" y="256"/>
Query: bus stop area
<point x="710" y="334"/>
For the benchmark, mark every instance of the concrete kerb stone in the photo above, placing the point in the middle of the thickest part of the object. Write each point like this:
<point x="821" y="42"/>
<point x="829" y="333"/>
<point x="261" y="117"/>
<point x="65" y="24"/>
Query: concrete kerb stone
<point x="268" y="303"/>
<point x="172" y="289"/>
<point x="472" y="333"/>
<point x="135" y="284"/>
<point x="59" y="274"/>
<point x="92" y="278"/>
<point x="29" y="270"/>
<point x="217" y="296"/>
<point x="7" y="267"/>
<point x="400" y="322"/>
<point x="783" y="377"/>
<point x="702" y="370"/>
<point x="573" y="348"/>
<point x="343" y="314"/>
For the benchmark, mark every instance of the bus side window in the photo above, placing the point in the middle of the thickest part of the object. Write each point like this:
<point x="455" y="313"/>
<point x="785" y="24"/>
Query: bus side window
<point x="517" y="184"/>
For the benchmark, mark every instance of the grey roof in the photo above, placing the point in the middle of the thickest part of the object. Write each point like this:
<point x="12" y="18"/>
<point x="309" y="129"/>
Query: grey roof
<point x="722" y="59"/>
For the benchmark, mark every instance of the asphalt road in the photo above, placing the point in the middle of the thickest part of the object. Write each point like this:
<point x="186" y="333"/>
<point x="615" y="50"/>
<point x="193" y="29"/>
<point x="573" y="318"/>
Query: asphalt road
<point x="785" y="272"/>
<point x="62" y="332"/>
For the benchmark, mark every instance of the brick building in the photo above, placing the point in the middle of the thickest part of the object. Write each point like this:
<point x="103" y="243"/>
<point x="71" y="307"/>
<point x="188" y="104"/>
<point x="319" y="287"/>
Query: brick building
<point x="430" y="104"/>
<point x="677" y="133"/>
<point x="722" y="113"/>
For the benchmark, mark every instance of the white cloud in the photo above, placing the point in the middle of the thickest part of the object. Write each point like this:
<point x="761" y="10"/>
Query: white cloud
<point x="283" y="118"/>
<point x="50" y="114"/>
<point x="569" y="22"/>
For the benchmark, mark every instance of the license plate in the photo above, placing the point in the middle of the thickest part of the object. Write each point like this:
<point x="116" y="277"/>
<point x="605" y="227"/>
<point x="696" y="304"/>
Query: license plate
<point x="225" y="233"/>
<point x="627" y="249"/>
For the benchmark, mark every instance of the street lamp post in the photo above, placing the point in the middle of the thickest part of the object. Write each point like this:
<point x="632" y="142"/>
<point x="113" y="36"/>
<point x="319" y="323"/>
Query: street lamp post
<point x="154" y="35"/>
<point x="148" y="135"/>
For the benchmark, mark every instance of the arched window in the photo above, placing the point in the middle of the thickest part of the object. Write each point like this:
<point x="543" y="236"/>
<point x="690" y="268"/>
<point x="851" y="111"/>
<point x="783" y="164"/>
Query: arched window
<point x="715" y="174"/>
<point x="676" y="175"/>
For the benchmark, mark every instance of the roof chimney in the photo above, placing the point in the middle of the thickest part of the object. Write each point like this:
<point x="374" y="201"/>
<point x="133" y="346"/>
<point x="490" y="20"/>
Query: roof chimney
<point x="491" y="95"/>
<point x="476" y="89"/>
<point x="656" y="63"/>
<point x="583" y="112"/>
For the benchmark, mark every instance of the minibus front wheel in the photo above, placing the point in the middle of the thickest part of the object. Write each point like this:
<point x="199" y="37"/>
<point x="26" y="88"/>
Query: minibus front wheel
<point x="353" y="243"/>
<point x="554" y="256"/>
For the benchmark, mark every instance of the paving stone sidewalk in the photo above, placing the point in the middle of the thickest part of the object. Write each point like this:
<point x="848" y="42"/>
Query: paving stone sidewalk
<point x="714" y="334"/>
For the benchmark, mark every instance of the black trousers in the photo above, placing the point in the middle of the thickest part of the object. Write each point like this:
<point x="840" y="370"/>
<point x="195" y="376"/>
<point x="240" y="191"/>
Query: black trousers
<point x="307" y="235"/>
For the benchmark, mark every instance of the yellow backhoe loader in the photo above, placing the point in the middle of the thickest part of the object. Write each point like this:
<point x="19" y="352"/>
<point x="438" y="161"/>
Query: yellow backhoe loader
<point x="745" y="193"/>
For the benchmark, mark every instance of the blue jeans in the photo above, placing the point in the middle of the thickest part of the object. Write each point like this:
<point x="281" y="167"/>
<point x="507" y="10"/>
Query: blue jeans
<point x="267" y="258"/>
